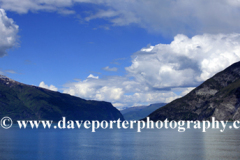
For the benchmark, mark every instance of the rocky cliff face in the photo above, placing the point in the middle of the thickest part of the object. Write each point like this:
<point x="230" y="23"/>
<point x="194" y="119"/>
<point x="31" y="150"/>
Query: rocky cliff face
<point x="21" y="101"/>
<point x="217" y="97"/>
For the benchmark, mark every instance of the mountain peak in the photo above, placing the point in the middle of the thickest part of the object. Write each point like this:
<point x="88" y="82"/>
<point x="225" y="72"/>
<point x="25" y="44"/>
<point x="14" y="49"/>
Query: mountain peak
<point x="3" y="77"/>
<point x="8" y="80"/>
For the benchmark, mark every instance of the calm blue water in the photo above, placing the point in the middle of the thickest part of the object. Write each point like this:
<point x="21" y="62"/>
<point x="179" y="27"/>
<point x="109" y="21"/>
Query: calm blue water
<point x="154" y="144"/>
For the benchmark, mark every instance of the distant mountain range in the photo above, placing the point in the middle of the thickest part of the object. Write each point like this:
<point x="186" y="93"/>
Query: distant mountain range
<point x="217" y="97"/>
<point x="20" y="101"/>
<point x="139" y="112"/>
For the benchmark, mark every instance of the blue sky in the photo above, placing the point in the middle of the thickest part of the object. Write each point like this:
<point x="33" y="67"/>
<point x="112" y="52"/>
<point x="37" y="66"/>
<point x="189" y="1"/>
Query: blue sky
<point x="126" y="52"/>
<point x="59" y="48"/>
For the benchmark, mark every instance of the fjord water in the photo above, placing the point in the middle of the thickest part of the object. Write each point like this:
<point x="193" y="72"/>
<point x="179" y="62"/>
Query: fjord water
<point x="73" y="144"/>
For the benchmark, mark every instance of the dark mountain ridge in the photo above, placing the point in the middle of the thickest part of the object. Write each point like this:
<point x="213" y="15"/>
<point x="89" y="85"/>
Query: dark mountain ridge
<point x="21" y="101"/>
<point x="217" y="97"/>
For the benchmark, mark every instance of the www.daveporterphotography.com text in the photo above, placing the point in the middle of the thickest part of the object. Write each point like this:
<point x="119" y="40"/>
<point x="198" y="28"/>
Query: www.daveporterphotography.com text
<point x="93" y="125"/>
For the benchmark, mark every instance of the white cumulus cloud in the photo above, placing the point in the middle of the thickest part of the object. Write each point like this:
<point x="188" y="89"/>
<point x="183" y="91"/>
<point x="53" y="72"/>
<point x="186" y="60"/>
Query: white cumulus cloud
<point x="51" y="87"/>
<point x="185" y="62"/>
<point x="8" y="33"/>
<point x="92" y="76"/>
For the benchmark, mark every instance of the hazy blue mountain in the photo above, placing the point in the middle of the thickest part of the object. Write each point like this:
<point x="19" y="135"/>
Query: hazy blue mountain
<point x="217" y="97"/>
<point x="139" y="112"/>
<point x="21" y="101"/>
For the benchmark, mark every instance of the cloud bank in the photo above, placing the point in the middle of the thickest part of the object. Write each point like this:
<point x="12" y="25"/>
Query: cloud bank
<point x="158" y="72"/>
<point x="168" y="17"/>
<point x="24" y="6"/>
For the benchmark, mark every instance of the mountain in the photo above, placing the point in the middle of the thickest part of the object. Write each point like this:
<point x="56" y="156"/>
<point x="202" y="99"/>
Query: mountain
<point x="217" y="97"/>
<point x="20" y="101"/>
<point x="139" y="112"/>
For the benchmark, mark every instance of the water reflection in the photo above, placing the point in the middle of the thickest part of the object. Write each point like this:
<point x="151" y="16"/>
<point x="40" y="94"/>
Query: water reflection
<point x="118" y="144"/>
<point x="222" y="145"/>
